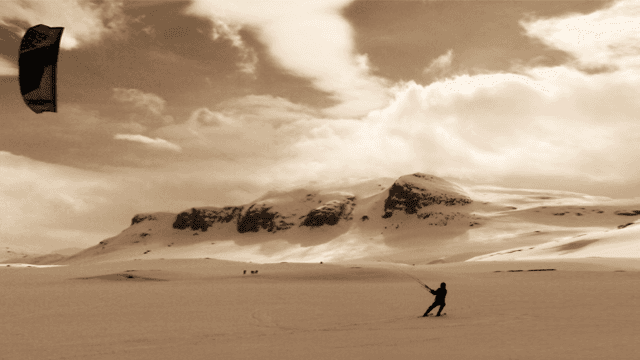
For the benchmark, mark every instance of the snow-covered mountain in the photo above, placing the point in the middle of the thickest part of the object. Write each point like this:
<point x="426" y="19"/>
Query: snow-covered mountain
<point x="416" y="218"/>
<point x="300" y="220"/>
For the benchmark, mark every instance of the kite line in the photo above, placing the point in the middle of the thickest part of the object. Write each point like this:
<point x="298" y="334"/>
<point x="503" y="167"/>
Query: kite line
<point x="409" y="275"/>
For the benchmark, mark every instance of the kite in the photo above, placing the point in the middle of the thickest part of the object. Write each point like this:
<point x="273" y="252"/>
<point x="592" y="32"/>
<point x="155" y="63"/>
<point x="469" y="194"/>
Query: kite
<point x="37" y="63"/>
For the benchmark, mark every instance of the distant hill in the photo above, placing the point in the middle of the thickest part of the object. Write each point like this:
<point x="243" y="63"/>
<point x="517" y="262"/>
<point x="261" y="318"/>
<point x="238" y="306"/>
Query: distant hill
<point x="9" y="257"/>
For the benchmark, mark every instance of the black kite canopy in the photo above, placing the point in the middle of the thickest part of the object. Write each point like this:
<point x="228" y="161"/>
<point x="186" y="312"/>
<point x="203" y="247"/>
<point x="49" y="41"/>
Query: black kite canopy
<point x="37" y="63"/>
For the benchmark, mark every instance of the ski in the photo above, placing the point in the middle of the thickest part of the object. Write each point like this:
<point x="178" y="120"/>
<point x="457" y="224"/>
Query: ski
<point x="431" y="315"/>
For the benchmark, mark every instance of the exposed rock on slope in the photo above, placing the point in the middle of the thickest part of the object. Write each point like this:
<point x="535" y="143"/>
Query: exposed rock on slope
<point x="276" y="213"/>
<point x="628" y="213"/>
<point x="330" y="213"/>
<point x="142" y="217"/>
<point x="411" y="193"/>
<point x="202" y="219"/>
<point x="262" y="217"/>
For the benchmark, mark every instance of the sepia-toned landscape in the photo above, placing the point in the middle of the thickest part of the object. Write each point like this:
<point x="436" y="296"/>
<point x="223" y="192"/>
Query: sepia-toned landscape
<point x="339" y="179"/>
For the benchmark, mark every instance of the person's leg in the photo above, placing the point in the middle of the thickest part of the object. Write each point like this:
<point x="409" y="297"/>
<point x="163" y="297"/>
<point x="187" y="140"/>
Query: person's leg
<point x="441" y="307"/>
<point x="429" y="309"/>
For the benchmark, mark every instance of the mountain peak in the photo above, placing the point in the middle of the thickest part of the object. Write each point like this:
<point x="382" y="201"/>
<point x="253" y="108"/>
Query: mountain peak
<point x="410" y="193"/>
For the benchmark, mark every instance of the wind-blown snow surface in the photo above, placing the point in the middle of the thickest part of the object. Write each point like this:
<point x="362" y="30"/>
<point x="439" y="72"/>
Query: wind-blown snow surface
<point x="417" y="219"/>
<point x="201" y="309"/>
<point x="619" y="243"/>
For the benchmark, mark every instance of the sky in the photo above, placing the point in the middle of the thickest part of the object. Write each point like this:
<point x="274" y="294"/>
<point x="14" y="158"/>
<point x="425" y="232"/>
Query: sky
<point x="168" y="105"/>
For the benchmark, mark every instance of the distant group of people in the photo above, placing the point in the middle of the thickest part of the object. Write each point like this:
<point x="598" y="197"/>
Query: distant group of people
<point x="252" y="271"/>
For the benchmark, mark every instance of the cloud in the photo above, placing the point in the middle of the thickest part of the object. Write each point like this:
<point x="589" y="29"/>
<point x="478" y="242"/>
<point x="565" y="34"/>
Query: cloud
<point x="46" y="206"/>
<point x="206" y="117"/>
<point x="19" y="171"/>
<point x="151" y="102"/>
<point x="85" y="22"/>
<point x="604" y="39"/>
<point x="543" y="127"/>
<point x="156" y="143"/>
<point x="141" y="27"/>
<point x="147" y="101"/>
<point x="36" y="197"/>
<point x="440" y="65"/>
<point x="265" y="108"/>
<point x="551" y="127"/>
<point x="310" y="39"/>
<point x="229" y="31"/>
<point x="8" y="67"/>
<point x="225" y="135"/>
<point x="251" y="127"/>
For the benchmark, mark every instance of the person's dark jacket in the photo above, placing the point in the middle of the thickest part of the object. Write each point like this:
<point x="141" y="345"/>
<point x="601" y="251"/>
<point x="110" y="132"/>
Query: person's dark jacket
<point x="440" y="294"/>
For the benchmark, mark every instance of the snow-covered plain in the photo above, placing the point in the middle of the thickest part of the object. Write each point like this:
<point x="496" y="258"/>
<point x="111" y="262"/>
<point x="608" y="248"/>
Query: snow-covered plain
<point x="206" y="309"/>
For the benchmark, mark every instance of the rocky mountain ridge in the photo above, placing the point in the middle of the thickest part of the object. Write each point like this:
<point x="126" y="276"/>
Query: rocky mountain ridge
<point x="409" y="195"/>
<point x="417" y="203"/>
<point x="418" y="217"/>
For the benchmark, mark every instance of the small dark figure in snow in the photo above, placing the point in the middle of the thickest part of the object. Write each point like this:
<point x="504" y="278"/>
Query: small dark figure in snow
<point x="256" y="271"/>
<point x="440" y="294"/>
<point x="244" y="272"/>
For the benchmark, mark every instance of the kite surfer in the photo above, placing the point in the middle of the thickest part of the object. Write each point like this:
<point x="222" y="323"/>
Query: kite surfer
<point x="440" y="294"/>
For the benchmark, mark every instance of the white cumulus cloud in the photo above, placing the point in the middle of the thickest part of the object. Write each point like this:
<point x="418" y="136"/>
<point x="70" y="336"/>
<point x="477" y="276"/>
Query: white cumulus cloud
<point x="85" y="22"/>
<point x="440" y="65"/>
<point x="605" y="38"/>
<point x="533" y="129"/>
<point x="551" y="127"/>
<point x="156" y="143"/>
<point x="152" y="103"/>
<point x="310" y="39"/>
<point x="36" y="198"/>
<point x="230" y="31"/>
<point x="8" y="67"/>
